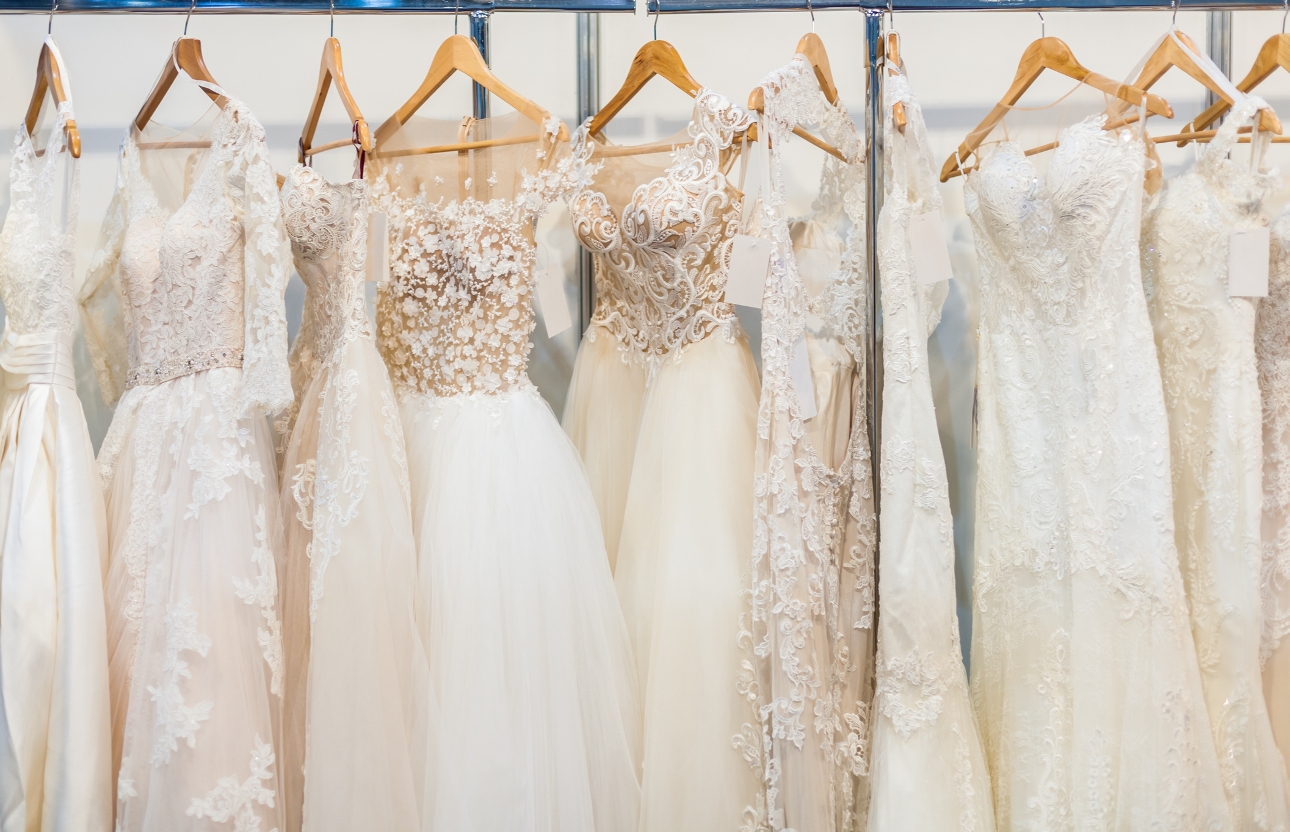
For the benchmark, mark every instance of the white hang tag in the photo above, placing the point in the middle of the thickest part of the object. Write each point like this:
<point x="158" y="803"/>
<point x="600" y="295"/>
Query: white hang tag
<point x="927" y="246"/>
<point x="799" y="370"/>
<point x="550" y="294"/>
<point x="1247" y="263"/>
<point x="749" y="268"/>
<point x="378" y="248"/>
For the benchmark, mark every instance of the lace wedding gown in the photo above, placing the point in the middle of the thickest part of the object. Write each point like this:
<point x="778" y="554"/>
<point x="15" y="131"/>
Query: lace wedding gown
<point x="357" y="697"/>
<point x="1272" y="343"/>
<point x="55" y="732"/>
<point x="1206" y="344"/>
<point x="929" y="769"/>
<point x="528" y="651"/>
<point x="1084" y="674"/>
<point x="186" y="324"/>
<point x="807" y="628"/>
<point x="663" y="227"/>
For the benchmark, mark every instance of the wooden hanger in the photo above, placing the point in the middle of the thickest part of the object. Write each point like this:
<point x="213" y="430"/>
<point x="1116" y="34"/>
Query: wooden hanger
<point x="656" y="57"/>
<point x="49" y="79"/>
<point x="1274" y="53"/>
<point x="1170" y="54"/>
<point x="811" y="48"/>
<point x="331" y="70"/>
<point x="892" y="59"/>
<point x="1052" y="54"/>
<point x="459" y="54"/>
<point x="186" y="54"/>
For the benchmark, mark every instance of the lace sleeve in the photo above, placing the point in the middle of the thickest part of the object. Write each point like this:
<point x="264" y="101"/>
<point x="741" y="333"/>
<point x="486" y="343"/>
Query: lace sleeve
<point x="102" y="306"/>
<point x="266" y="375"/>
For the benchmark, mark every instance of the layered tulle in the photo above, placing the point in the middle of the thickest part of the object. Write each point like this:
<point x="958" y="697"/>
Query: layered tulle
<point x="55" y="740"/>
<point x="194" y="640"/>
<point x="358" y="703"/>
<point x="687" y="534"/>
<point x="602" y="415"/>
<point x="528" y="651"/>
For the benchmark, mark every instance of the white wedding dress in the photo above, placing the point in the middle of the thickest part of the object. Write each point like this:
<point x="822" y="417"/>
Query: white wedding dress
<point x="1205" y="340"/>
<point x="55" y="732"/>
<point x="186" y="323"/>
<point x="665" y="225"/>
<point x="1272" y="343"/>
<point x="929" y="771"/>
<point x="1084" y="674"/>
<point x="808" y="623"/>
<point x="358" y="702"/>
<point x="528" y="651"/>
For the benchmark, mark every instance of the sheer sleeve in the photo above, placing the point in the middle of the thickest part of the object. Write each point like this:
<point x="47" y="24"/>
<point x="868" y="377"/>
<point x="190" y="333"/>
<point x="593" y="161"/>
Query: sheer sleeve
<point x="266" y="375"/>
<point x="101" y="302"/>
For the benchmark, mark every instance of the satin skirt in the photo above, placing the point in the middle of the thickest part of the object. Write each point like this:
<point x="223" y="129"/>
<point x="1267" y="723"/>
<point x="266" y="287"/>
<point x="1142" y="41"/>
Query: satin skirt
<point x="682" y="560"/>
<point x="55" y="734"/>
<point x="527" y="647"/>
<point x="359" y="707"/>
<point x="194" y="635"/>
<point x="602" y="414"/>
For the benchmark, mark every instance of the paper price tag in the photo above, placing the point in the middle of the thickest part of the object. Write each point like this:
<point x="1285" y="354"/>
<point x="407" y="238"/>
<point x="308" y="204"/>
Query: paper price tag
<point x="550" y="295"/>
<point x="378" y="248"/>
<point x="927" y="245"/>
<point x="749" y="268"/>
<point x="799" y="370"/>
<point x="1247" y="263"/>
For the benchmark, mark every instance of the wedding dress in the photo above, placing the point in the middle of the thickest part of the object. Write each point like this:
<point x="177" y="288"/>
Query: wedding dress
<point x="687" y="522"/>
<point x="186" y="324"/>
<point x="929" y="769"/>
<point x="357" y="697"/>
<point x="528" y="651"/>
<point x="1272" y="343"/>
<point x="1205" y="341"/>
<point x="1084" y="673"/>
<point x="807" y="626"/>
<point x="55" y="732"/>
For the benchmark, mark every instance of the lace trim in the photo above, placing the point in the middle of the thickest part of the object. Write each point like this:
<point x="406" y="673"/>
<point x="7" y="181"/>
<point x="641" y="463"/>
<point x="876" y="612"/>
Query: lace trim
<point x="173" y="368"/>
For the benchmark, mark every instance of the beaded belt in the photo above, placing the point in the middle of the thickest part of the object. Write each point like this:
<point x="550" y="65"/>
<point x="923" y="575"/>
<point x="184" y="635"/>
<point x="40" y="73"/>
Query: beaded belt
<point x="187" y="365"/>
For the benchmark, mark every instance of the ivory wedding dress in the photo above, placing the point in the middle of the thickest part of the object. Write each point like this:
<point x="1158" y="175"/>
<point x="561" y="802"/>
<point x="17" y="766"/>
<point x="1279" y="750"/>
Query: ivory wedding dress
<point x="664" y="227"/>
<point x="55" y="732"/>
<point x="528" y="651"/>
<point x="1206" y="344"/>
<point x="357" y="698"/>
<point x="807" y="628"/>
<point x="929" y="769"/>
<point x="1084" y="674"/>
<point x="186" y="323"/>
<point x="1272" y="342"/>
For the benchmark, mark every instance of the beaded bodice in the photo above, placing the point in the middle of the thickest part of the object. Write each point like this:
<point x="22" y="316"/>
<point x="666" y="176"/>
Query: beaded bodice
<point x="662" y="253"/>
<point x="456" y="314"/>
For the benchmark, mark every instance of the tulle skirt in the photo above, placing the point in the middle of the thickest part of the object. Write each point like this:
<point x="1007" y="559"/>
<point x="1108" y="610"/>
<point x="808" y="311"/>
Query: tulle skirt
<point x="687" y="539"/>
<point x="358" y="703"/>
<point x="528" y="651"/>
<point x="602" y="415"/>
<point x="55" y="739"/>
<point x="194" y="640"/>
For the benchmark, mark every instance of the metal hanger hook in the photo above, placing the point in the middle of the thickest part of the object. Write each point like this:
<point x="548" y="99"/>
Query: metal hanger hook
<point x="1284" y="16"/>
<point x="1174" y="21"/>
<point x="54" y="7"/>
<point x="456" y="10"/>
<point x="891" y="16"/>
<point x="658" y="9"/>
<point x="1041" y="24"/>
<point x="332" y="12"/>
<point x="811" y="12"/>
<point x="191" y="8"/>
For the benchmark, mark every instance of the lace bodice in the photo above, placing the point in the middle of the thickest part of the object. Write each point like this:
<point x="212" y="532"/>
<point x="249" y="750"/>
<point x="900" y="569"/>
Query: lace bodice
<point x="662" y="254"/>
<point x="194" y="253"/>
<point x="327" y="225"/>
<point x="456" y="314"/>
<point x="37" y="243"/>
